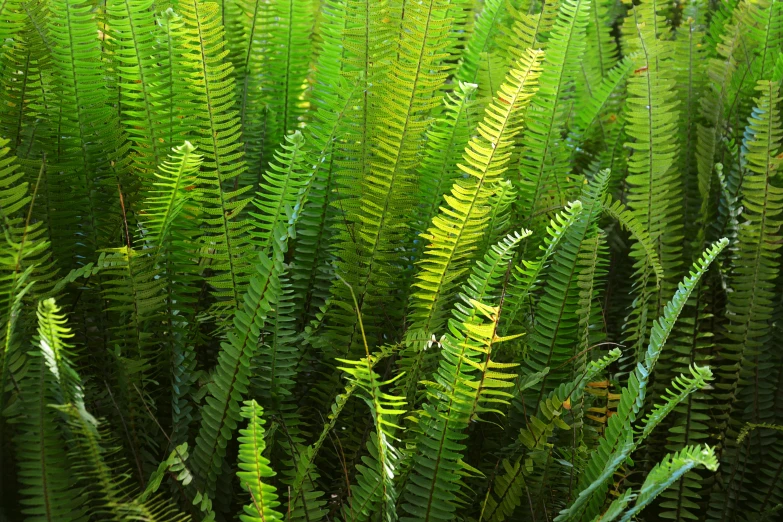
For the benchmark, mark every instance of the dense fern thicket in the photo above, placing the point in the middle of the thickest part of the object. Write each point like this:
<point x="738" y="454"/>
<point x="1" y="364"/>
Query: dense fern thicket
<point x="378" y="260"/>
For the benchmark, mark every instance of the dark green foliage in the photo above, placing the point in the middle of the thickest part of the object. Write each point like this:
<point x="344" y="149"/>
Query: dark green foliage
<point x="379" y="260"/>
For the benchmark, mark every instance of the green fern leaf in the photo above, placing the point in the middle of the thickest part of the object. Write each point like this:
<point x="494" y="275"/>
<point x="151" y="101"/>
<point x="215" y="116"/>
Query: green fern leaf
<point x="458" y="228"/>
<point x="221" y="411"/>
<point x="618" y="442"/>
<point x="254" y="468"/>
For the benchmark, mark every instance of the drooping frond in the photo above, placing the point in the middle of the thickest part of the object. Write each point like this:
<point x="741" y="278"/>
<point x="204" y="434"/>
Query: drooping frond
<point x="629" y="222"/>
<point x="45" y="472"/>
<point x="24" y="263"/>
<point x="375" y="490"/>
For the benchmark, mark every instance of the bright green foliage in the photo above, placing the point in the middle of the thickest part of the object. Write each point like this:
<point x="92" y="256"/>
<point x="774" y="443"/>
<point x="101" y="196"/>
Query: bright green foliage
<point x="466" y="370"/>
<point x="619" y="441"/>
<point x="225" y="232"/>
<point x="457" y="227"/>
<point x="380" y="260"/>
<point x="389" y="182"/>
<point x="141" y="82"/>
<point x="255" y="468"/>
<point x="83" y="180"/>
<point x="544" y="176"/>
<point x="44" y="469"/>
<point x="663" y="475"/>
<point x="554" y="337"/>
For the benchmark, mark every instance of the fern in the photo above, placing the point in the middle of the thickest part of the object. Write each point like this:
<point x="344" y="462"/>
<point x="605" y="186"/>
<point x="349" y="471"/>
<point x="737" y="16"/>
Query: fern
<point x="505" y="497"/>
<point x="22" y="261"/>
<point x="83" y="182"/>
<point x="384" y="259"/>
<point x="554" y="339"/>
<point x="44" y="469"/>
<point x="663" y="475"/>
<point x="380" y="226"/>
<point x="465" y="380"/>
<point x="225" y="232"/>
<point x="527" y="277"/>
<point x="458" y="228"/>
<point x="280" y="189"/>
<point x="543" y="178"/>
<point x="230" y="381"/>
<point x="616" y="445"/>
<point x="141" y="81"/>
<point x="255" y="470"/>
<point x="756" y="268"/>
<point x="288" y="55"/>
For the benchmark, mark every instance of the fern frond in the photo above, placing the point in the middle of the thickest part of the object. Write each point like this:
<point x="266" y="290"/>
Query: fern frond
<point x="217" y="135"/>
<point x="601" y="52"/>
<point x="459" y="226"/>
<point x="465" y="379"/>
<point x="526" y="277"/>
<point x="248" y="40"/>
<point x="107" y="482"/>
<point x="667" y="472"/>
<point x="555" y="337"/>
<point x="83" y="175"/>
<point x="545" y="179"/>
<point x="369" y="259"/>
<point x="655" y="193"/>
<point x="304" y="474"/>
<point x="446" y="139"/>
<point x="683" y="386"/>
<point x="173" y="188"/>
<point x="45" y="472"/>
<point x="254" y="469"/>
<point x="432" y="490"/>
<point x="375" y="492"/>
<point x="749" y="309"/>
<point x="491" y="19"/>
<point x="506" y="494"/>
<point x="480" y="287"/>
<point x="628" y="221"/>
<point x="288" y="54"/>
<point x="24" y="262"/>
<point x="279" y="191"/>
<point x="221" y="411"/>
<point x="618" y="441"/>
<point x="142" y="74"/>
